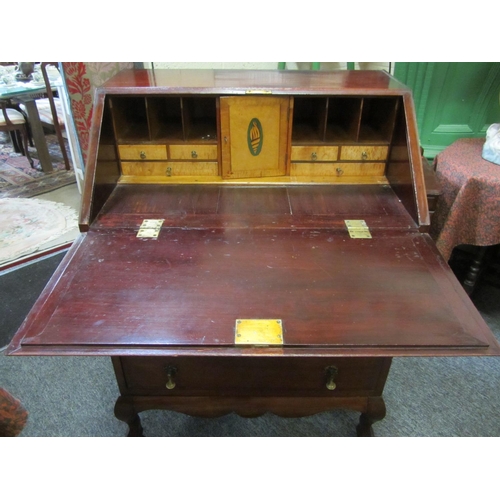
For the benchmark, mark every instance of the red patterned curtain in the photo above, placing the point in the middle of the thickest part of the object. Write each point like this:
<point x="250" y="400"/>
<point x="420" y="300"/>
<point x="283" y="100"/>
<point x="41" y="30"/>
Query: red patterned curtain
<point x="81" y="80"/>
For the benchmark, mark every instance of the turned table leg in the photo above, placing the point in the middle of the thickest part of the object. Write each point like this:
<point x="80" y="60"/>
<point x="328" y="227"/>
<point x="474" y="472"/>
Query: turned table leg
<point x="125" y="411"/>
<point x="375" y="411"/>
<point x="470" y="281"/>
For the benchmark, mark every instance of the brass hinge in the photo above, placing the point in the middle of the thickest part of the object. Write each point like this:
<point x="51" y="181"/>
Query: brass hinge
<point x="358" y="229"/>
<point x="150" y="228"/>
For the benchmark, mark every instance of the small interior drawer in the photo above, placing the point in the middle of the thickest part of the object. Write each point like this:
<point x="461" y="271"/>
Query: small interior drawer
<point x="193" y="152"/>
<point x="315" y="153"/>
<point x="364" y="153"/>
<point x="143" y="152"/>
<point x="170" y="168"/>
<point x="240" y="376"/>
<point x="338" y="169"/>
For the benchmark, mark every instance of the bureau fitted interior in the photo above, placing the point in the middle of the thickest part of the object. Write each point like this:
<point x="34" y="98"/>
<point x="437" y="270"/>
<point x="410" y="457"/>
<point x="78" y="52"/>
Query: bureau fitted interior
<point x="255" y="140"/>
<point x="190" y="138"/>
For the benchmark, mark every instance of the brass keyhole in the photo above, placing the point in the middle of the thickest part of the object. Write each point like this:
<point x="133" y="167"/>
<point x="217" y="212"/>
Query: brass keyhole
<point x="339" y="171"/>
<point x="314" y="156"/>
<point x="169" y="172"/>
<point x="331" y="375"/>
<point x="194" y="154"/>
<point x="171" y="373"/>
<point x="142" y="154"/>
<point x="364" y="155"/>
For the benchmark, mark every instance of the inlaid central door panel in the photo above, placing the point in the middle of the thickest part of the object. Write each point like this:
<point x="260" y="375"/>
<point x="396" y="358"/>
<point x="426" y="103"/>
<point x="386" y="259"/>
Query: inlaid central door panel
<point x="255" y="134"/>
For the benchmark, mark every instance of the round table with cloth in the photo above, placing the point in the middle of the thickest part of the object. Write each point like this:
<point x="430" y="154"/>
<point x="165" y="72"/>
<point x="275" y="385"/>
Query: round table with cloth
<point x="468" y="210"/>
<point x="13" y="415"/>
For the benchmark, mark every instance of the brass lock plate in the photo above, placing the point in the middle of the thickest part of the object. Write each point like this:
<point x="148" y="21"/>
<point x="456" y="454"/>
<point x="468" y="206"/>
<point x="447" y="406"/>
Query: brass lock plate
<point x="150" y="228"/>
<point x="258" y="332"/>
<point x="358" y="229"/>
<point x="258" y="91"/>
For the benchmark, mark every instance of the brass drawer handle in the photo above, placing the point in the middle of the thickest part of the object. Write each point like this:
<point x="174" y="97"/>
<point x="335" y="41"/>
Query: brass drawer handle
<point x="364" y="155"/>
<point x="331" y="375"/>
<point x="171" y="373"/>
<point x="314" y="156"/>
<point x="194" y="154"/>
<point x="169" y="172"/>
<point x="142" y="154"/>
<point x="339" y="171"/>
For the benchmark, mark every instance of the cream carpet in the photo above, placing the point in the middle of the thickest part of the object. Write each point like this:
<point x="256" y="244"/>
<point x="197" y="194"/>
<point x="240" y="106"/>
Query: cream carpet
<point x="26" y="224"/>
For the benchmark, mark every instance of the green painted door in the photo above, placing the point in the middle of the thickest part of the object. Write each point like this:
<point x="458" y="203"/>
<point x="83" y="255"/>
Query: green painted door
<point x="452" y="100"/>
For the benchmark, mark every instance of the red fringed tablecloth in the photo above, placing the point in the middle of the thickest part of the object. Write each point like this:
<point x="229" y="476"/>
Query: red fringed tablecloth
<point x="13" y="415"/>
<point x="468" y="210"/>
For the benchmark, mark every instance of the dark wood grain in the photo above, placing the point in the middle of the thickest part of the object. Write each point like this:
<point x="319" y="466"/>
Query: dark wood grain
<point x="188" y="287"/>
<point x="225" y="206"/>
<point x="214" y="376"/>
<point x="229" y="81"/>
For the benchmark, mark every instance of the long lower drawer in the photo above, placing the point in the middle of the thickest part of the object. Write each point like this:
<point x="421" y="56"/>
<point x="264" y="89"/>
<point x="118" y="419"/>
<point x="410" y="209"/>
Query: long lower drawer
<point x="248" y="376"/>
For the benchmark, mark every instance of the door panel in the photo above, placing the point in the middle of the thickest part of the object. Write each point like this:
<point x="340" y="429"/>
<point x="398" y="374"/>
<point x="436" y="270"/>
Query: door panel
<point x="254" y="136"/>
<point x="453" y="100"/>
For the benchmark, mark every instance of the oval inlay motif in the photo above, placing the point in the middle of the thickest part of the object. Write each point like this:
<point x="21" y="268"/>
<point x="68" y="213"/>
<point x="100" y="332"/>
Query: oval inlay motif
<point x="255" y="136"/>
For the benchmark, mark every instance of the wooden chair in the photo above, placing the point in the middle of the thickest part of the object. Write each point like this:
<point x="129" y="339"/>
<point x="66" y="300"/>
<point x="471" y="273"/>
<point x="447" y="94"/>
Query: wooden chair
<point x="14" y="121"/>
<point x="50" y="110"/>
<point x="56" y="116"/>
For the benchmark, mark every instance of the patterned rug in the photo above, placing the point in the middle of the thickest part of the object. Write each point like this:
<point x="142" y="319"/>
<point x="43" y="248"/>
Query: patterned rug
<point x="19" y="180"/>
<point x="27" y="224"/>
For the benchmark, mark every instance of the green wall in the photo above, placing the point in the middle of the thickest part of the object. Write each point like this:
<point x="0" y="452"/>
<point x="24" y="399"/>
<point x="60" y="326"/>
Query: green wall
<point x="452" y="100"/>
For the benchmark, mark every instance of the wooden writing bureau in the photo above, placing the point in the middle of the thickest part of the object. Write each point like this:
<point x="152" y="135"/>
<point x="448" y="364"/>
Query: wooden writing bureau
<point x="253" y="241"/>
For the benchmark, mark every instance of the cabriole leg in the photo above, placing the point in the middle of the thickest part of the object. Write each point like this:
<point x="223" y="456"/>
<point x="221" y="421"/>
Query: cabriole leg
<point x="375" y="411"/>
<point x="125" y="411"/>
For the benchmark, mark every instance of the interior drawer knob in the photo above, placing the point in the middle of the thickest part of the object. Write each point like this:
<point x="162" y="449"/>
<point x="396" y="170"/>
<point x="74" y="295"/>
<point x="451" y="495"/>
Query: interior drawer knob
<point x="331" y="375"/>
<point x="171" y="374"/>
<point x="142" y="154"/>
<point x="364" y="155"/>
<point x="194" y="154"/>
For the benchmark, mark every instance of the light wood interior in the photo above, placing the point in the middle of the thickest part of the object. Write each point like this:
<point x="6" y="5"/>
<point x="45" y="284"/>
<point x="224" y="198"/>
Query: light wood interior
<point x="305" y="139"/>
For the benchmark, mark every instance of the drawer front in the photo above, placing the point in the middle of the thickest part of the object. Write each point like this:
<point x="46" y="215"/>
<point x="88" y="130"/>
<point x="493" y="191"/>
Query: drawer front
<point x="338" y="169"/>
<point x="313" y="153"/>
<point x="193" y="152"/>
<point x="170" y="168"/>
<point x="364" y="153"/>
<point x="235" y="376"/>
<point x="143" y="152"/>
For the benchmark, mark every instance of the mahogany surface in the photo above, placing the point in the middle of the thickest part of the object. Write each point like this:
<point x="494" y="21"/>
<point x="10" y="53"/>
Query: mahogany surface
<point x="244" y="252"/>
<point x="230" y="81"/>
